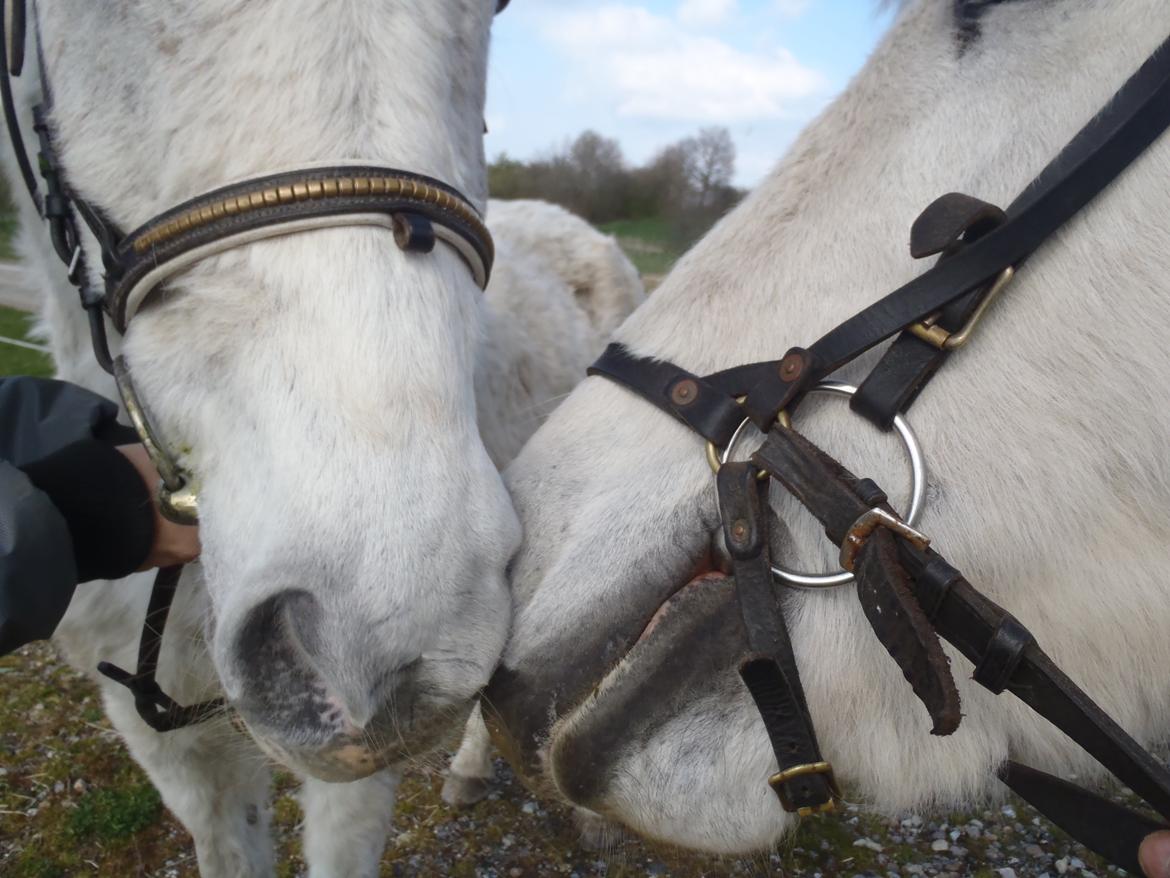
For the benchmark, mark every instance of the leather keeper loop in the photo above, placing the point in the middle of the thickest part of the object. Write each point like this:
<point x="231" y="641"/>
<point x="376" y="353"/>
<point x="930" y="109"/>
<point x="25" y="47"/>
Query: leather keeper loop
<point x="1004" y="651"/>
<point x="413" y="233"/>
<point x="869" y="492"/>
<point x="933" y="585"/>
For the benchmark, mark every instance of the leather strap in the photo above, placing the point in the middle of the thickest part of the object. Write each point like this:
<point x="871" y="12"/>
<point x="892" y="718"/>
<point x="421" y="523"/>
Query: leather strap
<point x="945" y="227"/>
<point x="838" y="499"/>
<point x="1004" y="652"/>
<point x="157" y="709"/>
<point x="694" y="401"/>
<point x="769" y="671"/>
<point x="1112" y="830"/>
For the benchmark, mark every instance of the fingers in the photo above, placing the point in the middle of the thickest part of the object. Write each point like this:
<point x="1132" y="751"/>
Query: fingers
<point x="1155" y="855"/>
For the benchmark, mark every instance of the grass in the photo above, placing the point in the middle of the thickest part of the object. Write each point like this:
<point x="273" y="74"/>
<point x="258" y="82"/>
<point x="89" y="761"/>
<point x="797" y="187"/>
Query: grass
<point x="650" y="244"/>
<point x="115" y="814"/>
<point x="17" y="360"/>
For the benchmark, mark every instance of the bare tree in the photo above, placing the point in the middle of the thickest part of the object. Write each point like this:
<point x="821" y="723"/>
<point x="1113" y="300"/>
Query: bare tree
<point x="712" y="164"/>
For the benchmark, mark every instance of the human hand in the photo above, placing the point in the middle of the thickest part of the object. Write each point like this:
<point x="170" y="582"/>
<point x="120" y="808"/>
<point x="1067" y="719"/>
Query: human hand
<point x="173" y="543"/>
<point x="1154" y="855"/>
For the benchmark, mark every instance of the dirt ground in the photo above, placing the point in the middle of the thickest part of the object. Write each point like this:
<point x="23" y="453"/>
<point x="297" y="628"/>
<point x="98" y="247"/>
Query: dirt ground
<point x="72" y="803"/>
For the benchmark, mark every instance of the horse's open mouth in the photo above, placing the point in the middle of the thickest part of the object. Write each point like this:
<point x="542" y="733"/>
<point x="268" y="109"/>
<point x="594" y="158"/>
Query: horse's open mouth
<point x="679" y="599"/>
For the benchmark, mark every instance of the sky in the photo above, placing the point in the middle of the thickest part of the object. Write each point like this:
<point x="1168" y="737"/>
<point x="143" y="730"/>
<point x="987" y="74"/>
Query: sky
<point x="650" y="72"/>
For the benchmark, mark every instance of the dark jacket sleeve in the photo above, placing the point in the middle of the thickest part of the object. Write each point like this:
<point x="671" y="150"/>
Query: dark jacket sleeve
<point x="57" y="465"/>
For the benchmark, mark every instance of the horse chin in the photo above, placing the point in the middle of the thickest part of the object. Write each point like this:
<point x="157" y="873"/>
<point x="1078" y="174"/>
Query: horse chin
<point x="354" y="754"/>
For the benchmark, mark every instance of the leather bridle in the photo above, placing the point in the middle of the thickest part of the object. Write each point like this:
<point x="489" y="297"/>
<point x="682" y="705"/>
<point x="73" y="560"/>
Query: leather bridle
<point x="419" y="211"/>
<point x="909" y="593"/>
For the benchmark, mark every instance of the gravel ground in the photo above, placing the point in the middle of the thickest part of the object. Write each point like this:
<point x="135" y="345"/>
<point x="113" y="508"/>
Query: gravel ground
<point x="72" y="803"/>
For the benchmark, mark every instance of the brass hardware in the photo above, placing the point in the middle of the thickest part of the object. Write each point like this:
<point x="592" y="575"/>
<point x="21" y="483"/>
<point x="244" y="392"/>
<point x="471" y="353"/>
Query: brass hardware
<point x="780" y="778"/>
<point x="863" y="529"/>
<point x="331" y="187"/>
<point x="931" y="333"/>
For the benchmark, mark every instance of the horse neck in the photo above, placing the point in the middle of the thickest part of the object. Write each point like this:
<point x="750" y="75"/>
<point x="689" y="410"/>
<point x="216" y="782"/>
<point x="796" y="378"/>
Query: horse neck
<point x="827" y="233"/>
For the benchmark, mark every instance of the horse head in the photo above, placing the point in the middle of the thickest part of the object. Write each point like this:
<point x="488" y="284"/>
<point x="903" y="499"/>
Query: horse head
<point x="317" y="387"/>
<point x="619" y="689"/>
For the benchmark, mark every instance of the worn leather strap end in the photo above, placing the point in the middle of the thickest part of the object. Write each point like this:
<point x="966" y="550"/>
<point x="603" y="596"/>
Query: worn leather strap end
<point x="1109" y="829"/>
<point x="948" y="219"/>
<point x="899" y="623"/>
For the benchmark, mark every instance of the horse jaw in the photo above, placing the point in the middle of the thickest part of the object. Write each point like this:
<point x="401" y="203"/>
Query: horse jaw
<point x="616" y="499"/>
<point x="319" y="386"/>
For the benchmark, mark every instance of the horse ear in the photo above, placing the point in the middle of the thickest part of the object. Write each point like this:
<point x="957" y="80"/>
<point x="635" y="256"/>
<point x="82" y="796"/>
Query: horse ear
<point x="502" y="5"/>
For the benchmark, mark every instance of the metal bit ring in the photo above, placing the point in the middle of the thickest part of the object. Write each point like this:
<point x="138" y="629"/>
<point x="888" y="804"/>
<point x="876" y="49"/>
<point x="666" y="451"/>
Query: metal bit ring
<point x="917" y="485"/>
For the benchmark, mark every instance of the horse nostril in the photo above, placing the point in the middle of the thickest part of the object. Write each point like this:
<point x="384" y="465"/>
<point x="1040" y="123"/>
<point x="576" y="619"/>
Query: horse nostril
<point x="283" y="630"/>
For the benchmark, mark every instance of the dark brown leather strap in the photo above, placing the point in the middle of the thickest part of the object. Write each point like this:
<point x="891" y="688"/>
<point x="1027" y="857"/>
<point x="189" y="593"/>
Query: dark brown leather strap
<point x="839" y="499"/>
<point x="803" y="783"/>
<point x="697" y="402"/>
<point x="1003" y="651"/>
<point x="157" y="709"/>
<point x="945" y="227"/>
<point x="1112" y="830"/>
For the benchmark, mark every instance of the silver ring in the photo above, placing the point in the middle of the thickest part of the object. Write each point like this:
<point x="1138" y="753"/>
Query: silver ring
<point x="917" y="487"/>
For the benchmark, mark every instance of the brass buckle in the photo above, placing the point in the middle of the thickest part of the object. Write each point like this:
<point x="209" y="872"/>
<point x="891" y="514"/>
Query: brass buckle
<point x="864" y="527"/>
<point x="780" y="778"/>
<point x="931" y="333"/>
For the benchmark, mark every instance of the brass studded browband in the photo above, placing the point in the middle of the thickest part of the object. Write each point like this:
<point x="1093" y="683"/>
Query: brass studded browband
<point x="419" y="209"/>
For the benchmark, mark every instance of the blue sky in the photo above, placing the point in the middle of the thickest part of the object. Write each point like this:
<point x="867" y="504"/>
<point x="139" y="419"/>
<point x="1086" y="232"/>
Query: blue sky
<point x="649" y="72"/>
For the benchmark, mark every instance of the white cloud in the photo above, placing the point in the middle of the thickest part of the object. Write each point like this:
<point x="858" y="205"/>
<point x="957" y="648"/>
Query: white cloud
<point x="656" y="69"/>
<point x="706" y="11"/>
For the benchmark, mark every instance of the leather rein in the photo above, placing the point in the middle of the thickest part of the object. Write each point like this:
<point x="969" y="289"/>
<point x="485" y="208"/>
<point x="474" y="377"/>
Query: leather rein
<point x="910" y="594"/>
<point x="419" y="211"/>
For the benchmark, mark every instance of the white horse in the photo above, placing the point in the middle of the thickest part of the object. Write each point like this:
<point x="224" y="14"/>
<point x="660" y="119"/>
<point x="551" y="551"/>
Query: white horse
<point x="351" y="598"/>
<point x="1046" y="441"/>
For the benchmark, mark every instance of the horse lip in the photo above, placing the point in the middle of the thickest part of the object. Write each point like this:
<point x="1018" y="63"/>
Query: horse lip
<point x="522" y="703"/>
<point x="696" y="635"/>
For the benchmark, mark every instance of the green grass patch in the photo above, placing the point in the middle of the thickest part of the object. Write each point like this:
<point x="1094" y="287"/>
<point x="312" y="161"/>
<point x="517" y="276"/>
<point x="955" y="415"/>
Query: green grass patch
<point x="650" y="243"/>
<point x="17" y="360"/>
<point x="115" y="814"/>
